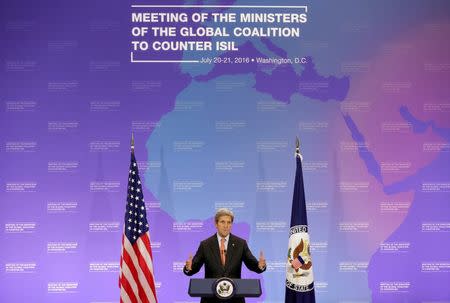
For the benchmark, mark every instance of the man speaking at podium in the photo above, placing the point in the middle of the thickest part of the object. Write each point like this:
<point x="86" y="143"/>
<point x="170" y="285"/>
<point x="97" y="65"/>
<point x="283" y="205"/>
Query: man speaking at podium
<point x="223" y="254"/>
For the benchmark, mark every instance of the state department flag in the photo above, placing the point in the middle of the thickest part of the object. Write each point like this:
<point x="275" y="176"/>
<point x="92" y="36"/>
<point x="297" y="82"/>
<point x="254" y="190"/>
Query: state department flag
<point x="299" y="273"/>
<point x="136" y="280"/>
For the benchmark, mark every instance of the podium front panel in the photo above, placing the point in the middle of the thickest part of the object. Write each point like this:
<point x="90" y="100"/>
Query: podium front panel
<point x="244" y="287"/>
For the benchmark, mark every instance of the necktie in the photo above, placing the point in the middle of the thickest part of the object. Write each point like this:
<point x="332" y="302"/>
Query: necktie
<point x="222" y="251"/>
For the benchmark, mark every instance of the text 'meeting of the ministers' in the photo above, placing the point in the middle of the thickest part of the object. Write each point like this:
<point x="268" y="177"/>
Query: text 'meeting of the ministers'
<point x="160" y="17"/>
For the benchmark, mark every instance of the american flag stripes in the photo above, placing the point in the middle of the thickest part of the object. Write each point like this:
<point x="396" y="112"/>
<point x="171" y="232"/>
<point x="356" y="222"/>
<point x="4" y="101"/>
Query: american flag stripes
<point x="136" y="280"/>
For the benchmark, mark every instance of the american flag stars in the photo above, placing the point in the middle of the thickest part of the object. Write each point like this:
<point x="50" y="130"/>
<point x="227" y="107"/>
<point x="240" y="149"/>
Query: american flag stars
<point x="135" y="206"/>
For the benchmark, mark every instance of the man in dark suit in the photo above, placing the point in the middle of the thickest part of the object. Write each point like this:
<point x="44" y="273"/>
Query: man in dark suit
<point x="223" y="254"/>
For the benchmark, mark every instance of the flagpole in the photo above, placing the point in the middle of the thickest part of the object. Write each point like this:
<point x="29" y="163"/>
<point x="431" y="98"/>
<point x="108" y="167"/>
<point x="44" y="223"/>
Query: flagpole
<point x="132" y="143"/>
<point x="297" y="148"/>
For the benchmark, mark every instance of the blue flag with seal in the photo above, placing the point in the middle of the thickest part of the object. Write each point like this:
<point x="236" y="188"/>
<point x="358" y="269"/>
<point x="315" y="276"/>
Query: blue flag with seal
<point x="299" y="269"/>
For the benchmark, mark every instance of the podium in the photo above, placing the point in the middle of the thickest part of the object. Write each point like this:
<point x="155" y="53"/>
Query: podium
<point x="224" y="288"/>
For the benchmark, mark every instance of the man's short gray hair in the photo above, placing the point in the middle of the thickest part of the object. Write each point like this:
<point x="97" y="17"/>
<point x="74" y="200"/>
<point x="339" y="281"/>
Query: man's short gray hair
<point x="223" y="212"/>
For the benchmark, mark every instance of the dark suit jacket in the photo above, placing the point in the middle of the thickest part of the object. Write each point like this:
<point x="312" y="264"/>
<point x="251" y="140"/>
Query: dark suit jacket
<point x="208" y="253"/>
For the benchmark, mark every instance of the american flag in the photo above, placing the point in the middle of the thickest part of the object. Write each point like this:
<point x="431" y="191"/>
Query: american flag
<point x="136" y="280"/>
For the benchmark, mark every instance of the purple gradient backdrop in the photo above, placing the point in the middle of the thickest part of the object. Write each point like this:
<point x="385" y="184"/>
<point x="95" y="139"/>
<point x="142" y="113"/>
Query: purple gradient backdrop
<point x="371" y="108"/>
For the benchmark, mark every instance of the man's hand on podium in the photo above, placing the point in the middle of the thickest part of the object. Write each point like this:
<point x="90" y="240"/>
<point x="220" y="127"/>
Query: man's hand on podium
<point x="189" y="263"/>
<point x="261" y="261"/>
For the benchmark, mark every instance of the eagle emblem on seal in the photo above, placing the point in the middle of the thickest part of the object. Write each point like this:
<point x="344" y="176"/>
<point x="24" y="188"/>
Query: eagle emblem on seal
<point x="224" y="287"/>
<point x="300" y="257"/>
